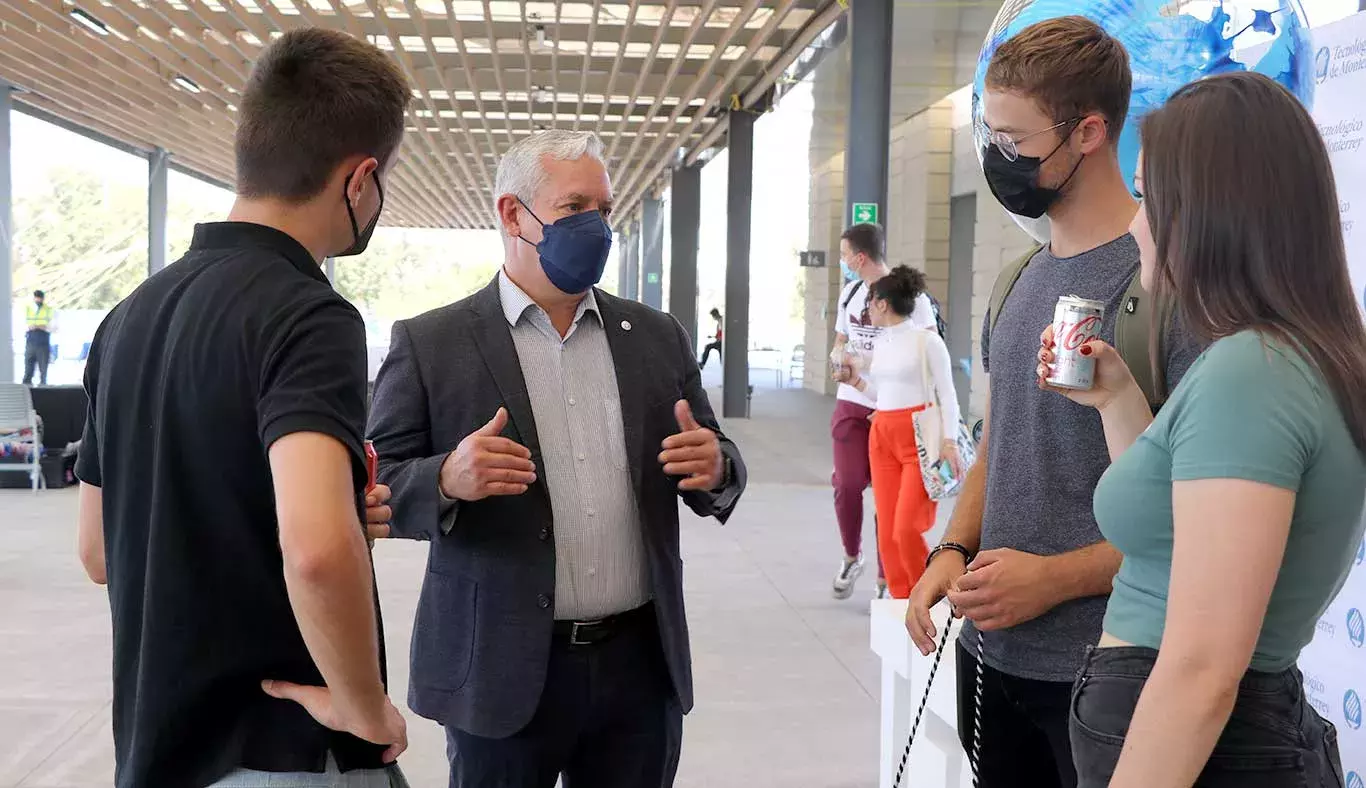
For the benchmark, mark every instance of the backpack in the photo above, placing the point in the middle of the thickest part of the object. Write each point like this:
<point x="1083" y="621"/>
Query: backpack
<point x="1132" y="325"/>
<point x="939" y="323"/>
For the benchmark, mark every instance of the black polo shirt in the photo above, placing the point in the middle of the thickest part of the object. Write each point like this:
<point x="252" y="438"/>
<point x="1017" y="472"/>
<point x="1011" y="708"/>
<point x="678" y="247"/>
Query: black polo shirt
<point x="191" y="379"/>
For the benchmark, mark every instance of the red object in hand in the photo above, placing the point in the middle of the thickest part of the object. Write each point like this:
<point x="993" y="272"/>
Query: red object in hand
<point x="371" y="466"/>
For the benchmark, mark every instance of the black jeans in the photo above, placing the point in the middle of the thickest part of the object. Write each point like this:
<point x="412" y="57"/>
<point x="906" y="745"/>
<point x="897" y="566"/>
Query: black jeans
<point x="706" y="353"/>
<point x="1024" y="727"/>
<point x="1274" y="739"/>
<point x="608" y="718"/>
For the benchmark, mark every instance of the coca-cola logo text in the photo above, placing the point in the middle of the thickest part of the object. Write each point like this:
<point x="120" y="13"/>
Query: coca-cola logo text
<point x="1080" y="333"/>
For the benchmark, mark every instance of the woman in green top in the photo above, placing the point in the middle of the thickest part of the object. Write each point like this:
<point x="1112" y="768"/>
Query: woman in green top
<point x="1239" y="508"/>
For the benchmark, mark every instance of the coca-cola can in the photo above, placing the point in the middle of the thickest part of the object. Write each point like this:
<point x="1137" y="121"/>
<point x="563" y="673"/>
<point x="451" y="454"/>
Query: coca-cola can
<point x="1076" y="321"/>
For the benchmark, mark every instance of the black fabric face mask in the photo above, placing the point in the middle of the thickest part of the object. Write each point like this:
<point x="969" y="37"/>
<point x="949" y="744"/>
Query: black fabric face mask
<point x="361" y="238"/>
<point x="1015" y="184"/>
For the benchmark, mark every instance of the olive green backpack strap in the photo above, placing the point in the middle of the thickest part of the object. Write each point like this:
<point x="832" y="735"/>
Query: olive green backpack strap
<point x="1132" y="327"/>
<point x="1005" y="282"/>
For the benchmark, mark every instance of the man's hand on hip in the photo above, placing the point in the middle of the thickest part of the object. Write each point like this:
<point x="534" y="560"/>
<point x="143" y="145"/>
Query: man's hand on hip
<point x="694" y="453"/>
<point x="1003" y="588"/>
<point x="487" y="464"/>
<point x="380" y="724"/>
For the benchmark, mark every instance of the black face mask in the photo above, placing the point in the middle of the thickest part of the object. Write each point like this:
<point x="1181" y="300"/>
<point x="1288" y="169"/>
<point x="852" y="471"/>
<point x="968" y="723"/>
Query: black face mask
<point x="361" y="238"/>
<point x="1015" y="184"/>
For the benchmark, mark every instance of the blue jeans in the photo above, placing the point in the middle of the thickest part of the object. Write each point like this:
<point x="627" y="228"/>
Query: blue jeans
<point x="389" y="777"/>
<point x="1273" y="739"/>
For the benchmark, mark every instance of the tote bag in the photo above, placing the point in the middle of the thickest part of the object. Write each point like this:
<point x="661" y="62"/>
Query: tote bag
<point x="940" y="483"/>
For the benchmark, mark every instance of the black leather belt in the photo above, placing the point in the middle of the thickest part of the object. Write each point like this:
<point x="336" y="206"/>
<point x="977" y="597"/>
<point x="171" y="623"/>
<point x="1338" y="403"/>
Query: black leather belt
<point x="591" y="633"/>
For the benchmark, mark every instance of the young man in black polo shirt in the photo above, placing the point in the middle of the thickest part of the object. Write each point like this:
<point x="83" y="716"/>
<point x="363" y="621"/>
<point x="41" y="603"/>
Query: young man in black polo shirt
<point x="222" y="466"/>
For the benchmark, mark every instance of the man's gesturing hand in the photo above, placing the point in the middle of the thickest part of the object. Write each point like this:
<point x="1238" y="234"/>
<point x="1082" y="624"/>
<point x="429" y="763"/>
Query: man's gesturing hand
<point x="485" y="464"/>
<point x="1003" y="588"/>
<point x="694" y="453"/>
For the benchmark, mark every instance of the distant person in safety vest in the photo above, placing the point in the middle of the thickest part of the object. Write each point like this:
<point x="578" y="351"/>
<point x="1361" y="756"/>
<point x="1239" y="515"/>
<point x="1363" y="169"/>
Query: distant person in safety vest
<point x="37" y="339"/>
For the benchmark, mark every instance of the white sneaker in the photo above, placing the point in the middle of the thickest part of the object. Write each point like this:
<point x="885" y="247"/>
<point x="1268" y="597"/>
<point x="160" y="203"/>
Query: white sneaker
<point x="882" y="592"/>
<point x="843" y="586"/>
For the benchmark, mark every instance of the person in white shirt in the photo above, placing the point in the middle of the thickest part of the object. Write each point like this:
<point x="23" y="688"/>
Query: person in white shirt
<point x="910" y="371"/>
<point x="863" y="262"/>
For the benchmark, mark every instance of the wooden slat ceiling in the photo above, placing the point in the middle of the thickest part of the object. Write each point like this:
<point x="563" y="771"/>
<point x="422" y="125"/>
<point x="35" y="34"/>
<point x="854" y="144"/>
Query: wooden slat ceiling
<point x="649" y="78"/>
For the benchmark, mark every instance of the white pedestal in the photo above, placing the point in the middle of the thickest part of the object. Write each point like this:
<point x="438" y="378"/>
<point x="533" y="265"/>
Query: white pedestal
<point x="937" y="759"/>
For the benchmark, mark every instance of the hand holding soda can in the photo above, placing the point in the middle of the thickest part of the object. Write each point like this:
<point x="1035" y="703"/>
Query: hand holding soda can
<point x="1076" y="321"/>
<point x="1076" y="363"/>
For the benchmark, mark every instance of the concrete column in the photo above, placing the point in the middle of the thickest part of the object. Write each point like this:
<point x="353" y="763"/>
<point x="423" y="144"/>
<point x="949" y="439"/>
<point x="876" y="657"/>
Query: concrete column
<point x="632" y="288"/>
<point x="823" y="285"/>
<point x="739" y="193"/>
<point x="870" y="106"/>
<point x="156" y="210"/>
<point x="921" y="186"/>
<point x="652" y="253"/>
<point x="7" y="371"/>
<point x="685" y="205"/>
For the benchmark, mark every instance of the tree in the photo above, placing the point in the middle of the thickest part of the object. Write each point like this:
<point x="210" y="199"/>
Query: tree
<point x="406" y="272"/>
<point x="81" y="240"/>
<point x="84" y="241"/>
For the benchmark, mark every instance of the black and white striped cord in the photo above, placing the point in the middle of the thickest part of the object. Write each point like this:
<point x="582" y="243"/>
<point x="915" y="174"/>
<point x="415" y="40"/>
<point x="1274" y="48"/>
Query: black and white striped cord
<point x="974" y="756"/>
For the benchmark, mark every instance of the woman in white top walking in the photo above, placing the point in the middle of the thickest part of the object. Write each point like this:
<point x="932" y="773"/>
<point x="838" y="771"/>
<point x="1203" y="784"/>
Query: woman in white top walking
<point x="910" y="371"/>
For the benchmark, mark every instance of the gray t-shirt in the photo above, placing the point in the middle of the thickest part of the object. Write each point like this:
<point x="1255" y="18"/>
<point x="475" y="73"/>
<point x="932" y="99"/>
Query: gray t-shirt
<point x="1046" y="453"/>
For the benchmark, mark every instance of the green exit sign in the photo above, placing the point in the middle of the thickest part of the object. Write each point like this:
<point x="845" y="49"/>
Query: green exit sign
<point x="864" y="213"/>
<point x="652" y="278"/>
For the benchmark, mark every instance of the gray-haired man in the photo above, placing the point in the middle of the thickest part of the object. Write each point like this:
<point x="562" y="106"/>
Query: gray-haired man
<point x="539" y="434"/>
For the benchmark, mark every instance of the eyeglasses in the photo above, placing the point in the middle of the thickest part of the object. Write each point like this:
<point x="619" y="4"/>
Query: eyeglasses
<point x="1009" y="148"/>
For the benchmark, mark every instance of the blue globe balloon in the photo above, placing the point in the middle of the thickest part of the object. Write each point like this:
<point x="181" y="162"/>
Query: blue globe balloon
<point x="1171" y="44"/>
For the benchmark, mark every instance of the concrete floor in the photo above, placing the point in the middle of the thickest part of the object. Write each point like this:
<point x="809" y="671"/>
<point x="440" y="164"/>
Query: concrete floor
<point x="786" y="685"/>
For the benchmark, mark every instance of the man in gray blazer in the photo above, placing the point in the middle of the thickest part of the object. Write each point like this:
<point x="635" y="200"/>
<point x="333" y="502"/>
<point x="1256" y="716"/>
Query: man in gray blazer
<point x="540" y="434"/>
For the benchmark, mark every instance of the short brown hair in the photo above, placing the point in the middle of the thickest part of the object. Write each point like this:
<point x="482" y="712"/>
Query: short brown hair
<point x="314" y="98"/>
<point x="1071" y="66"/>
<point x="866" y="239"/>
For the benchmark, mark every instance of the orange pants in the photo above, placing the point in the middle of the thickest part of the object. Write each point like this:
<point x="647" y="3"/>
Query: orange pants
<point x="904" y="511"/>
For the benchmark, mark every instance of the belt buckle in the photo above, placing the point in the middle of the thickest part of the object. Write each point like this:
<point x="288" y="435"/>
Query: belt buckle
<point x="574" y="632"/>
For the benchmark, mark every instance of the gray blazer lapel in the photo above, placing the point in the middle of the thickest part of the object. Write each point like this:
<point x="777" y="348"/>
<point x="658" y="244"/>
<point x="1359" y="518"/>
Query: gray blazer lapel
<point x="629" y="350"/>
<point x="494" y="340"/>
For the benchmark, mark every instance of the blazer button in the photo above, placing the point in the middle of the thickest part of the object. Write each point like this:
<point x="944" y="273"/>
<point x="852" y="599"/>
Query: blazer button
<point x="543" y="600"/>
<point x="544" y="535"/>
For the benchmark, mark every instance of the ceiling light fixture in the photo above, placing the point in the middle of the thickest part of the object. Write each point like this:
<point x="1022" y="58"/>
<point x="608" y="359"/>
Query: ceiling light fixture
<point x="185" y="83"/>
<point x="89" y="22"/>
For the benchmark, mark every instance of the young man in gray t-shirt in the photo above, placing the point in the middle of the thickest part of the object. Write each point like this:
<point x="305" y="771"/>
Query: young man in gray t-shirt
<point x="1028" y="566"/>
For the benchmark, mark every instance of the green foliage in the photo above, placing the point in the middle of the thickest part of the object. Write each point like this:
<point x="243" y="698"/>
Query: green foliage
<point x="84" y="241"/>
<point x="407" y="272"/>
<point x="81" y="240"/>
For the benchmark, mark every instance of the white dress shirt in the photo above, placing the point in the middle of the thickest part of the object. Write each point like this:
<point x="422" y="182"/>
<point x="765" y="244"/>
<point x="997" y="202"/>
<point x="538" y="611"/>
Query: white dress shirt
<point x="600" y="562"/>
<point x="897" y="377"/>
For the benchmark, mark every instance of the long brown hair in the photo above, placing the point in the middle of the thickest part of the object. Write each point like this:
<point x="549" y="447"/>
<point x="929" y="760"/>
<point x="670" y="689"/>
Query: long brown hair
<point x="1244" y="212"/>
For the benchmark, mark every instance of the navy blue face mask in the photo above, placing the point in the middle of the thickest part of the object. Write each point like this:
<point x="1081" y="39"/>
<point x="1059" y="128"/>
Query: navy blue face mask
<point x="573" y="250"/>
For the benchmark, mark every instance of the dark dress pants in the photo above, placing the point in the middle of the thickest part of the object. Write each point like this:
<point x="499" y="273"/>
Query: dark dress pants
<point x="608" y="718"/>
<point x="37" y="354"/>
